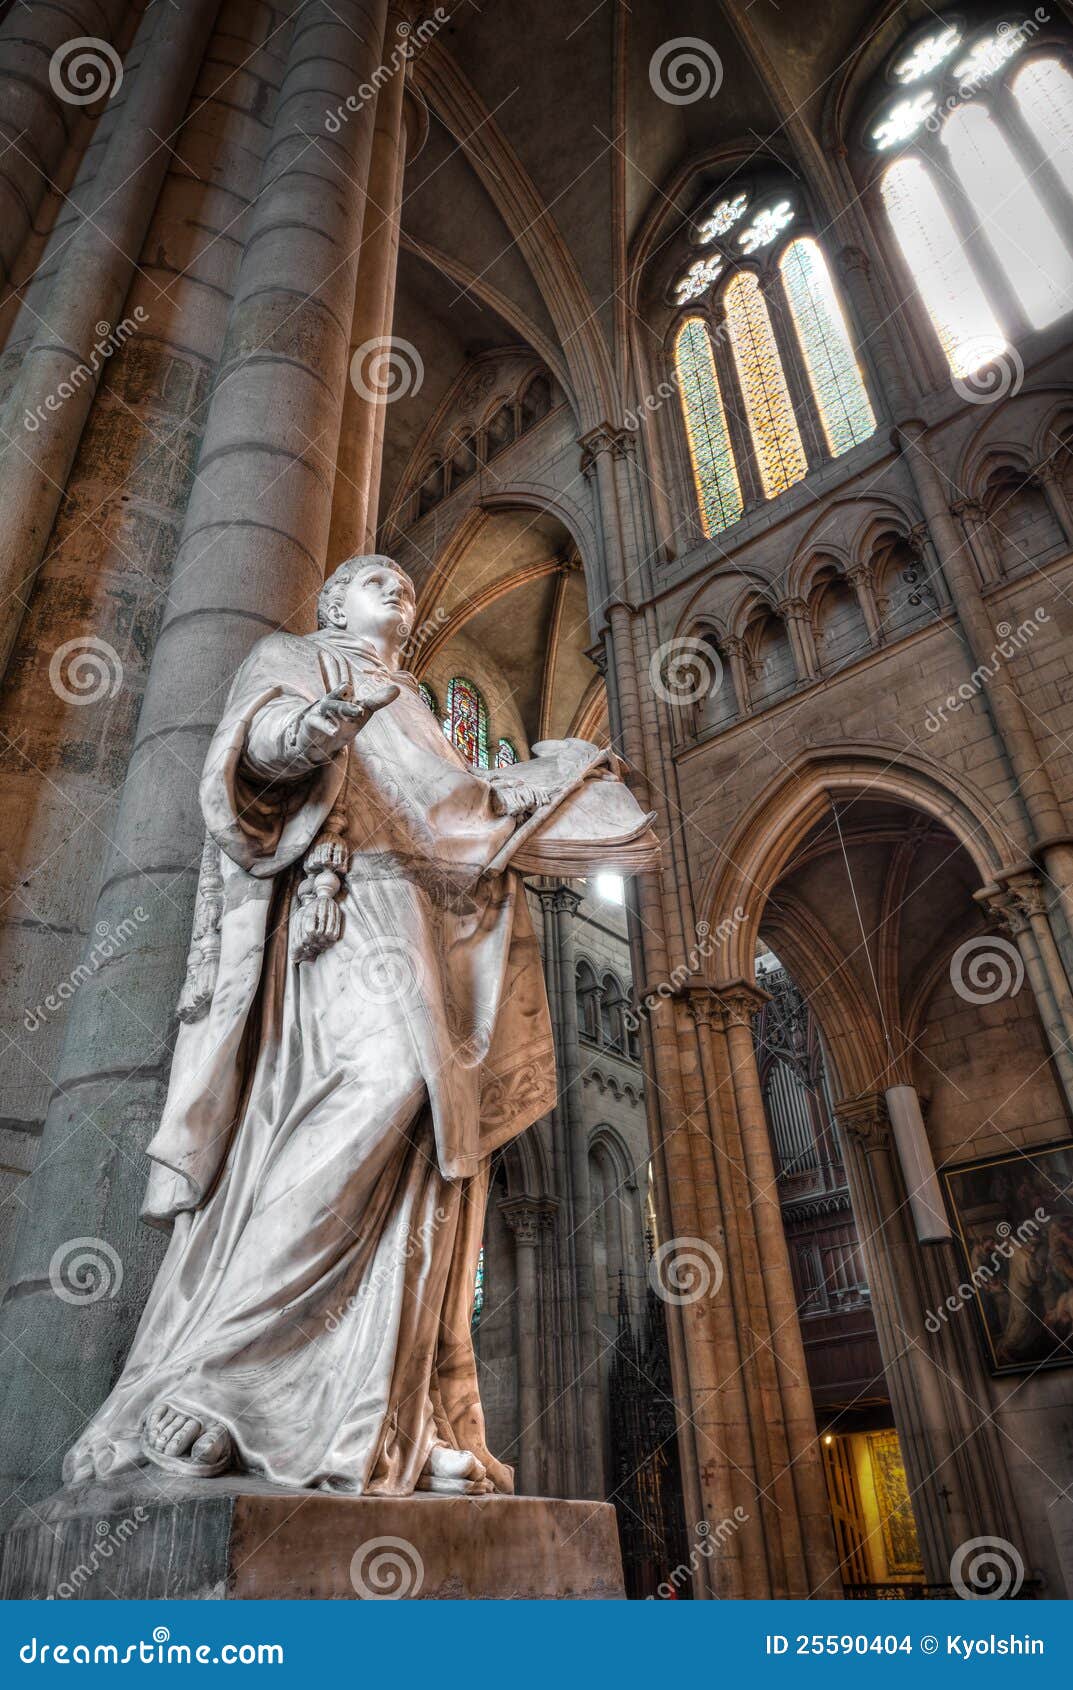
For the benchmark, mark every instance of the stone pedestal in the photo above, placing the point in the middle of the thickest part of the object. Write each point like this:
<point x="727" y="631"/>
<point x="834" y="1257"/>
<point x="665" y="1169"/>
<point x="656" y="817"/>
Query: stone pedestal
<point x="241" y="1540"/>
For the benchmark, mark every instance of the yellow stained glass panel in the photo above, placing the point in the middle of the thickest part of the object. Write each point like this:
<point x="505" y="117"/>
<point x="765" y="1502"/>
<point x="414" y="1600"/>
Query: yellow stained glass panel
<point x="776" y="441"/>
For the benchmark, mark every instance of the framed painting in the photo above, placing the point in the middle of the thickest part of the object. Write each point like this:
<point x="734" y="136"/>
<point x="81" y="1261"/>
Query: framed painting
<point x="1013" y="1215"/>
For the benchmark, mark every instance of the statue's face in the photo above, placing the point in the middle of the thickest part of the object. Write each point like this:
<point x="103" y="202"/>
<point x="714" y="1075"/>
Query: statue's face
<point x="379" y="602"/>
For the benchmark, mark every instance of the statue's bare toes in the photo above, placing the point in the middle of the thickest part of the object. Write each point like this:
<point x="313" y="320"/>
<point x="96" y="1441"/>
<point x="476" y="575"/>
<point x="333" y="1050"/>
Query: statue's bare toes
<point x="181" y="1434"/>
<point x="447" y="1463"/>
<point x="213" y="1444"/>
<point x="186" y="1443"/>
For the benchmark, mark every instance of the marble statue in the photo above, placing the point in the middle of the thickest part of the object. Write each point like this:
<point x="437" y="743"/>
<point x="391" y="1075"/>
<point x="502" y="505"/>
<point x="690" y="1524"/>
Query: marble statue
<point x="364" y="1022"/>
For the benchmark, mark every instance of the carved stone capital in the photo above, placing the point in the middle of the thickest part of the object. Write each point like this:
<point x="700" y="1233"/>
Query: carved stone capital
<point x="865" y="1119"/>
<point x="918" y="537"/>
<point x="597" y="656"/>
<point x="1009" y="913"/>
<point x="559" y="899"/>
<point x="605" y="437"/>
<point x="860" y="575"/>
<point x="969" y="511"/>
<point x="733" y="646"/>
<point x="737" y="1002"/>
<point x="793" y="609"/>
<point x="527" y="1217"/>
<point x="1029" y="894"/>
<point x="700" y="1000"/>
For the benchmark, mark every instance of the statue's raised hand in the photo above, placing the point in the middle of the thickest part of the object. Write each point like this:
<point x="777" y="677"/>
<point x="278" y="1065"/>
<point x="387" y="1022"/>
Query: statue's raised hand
<point x="332" y="722"/>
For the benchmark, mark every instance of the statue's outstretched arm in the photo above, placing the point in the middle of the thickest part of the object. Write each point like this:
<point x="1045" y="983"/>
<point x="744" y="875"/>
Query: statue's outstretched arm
<point x="289" y="737"/>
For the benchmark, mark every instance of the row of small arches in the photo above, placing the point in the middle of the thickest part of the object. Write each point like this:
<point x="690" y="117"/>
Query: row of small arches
<point x="603" y="1011"/>
<point x="460" y="455"/>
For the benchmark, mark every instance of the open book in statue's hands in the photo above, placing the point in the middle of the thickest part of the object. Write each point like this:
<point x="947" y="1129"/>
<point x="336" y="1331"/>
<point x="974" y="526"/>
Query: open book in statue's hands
<point x="578" y="813"/>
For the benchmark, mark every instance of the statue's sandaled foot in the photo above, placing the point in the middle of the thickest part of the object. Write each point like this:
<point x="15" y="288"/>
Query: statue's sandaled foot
<point x="455" y="1472"/>
<point x="181" y="1442"/>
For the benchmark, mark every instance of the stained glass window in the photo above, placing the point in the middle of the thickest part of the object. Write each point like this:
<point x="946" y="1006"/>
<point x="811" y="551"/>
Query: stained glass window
<point x="928" y="54"/>
<point x="478" y="1292"/>
<point x="697" y="279"/>
<point x="1018" y="226"/>
<point x="721" y="218"/>
<point x="429" y="697"/>
<point x="466" y="722"/>
<point x="989" y="55"/>
<point x="506" y="756"/>
<point x="769" y="221"/>
<point x="1043" y="90"/>
<point x="837" y="385"/>
<point x="776" y="441"/>
<point x="903" y="120"/>
<point x="714" y="474"/>
<point x="935" y="258"/>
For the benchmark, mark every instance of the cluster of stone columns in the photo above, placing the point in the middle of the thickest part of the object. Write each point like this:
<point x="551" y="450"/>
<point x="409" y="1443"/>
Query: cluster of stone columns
<point x="747" y="1440"/>
<point x="957" y="1476"/>
<point x="252" y="555"/>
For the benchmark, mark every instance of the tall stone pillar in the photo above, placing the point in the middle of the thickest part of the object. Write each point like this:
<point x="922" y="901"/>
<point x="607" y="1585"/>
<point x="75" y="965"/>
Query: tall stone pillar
<point x="952" y="1448"/>
<point x="251" y="558"/>
<point x="60" y="370"/>
<point x="806" y="1517"/>
<point x="361" y="443"/>
<point x="36" y="123"/>
<point x="560" y="903"/>
<point x="523" y="1216"/>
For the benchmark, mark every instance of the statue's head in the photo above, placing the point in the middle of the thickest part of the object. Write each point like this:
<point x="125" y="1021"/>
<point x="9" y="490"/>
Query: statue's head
<point x="371" y="596"/>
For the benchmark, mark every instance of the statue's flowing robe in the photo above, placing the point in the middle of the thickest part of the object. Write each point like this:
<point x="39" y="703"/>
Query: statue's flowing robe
<point x="323" y="1154"/>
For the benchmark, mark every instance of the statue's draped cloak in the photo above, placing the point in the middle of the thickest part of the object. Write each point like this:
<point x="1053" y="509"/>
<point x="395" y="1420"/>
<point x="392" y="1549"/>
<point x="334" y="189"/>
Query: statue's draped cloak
<point x="323" y="1153"/>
